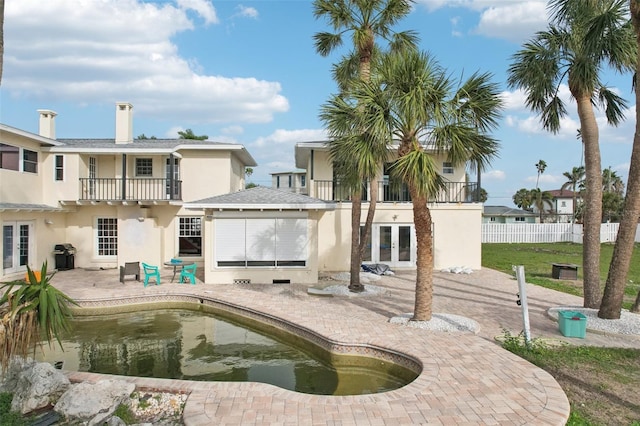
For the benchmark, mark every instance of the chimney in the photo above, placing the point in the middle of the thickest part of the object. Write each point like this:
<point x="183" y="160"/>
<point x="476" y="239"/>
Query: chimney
<point x="47" y="124"/>
<point x="124" y="123"/>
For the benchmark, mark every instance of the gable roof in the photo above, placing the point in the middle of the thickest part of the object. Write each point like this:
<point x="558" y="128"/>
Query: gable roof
<point x="261" y="198"/>
<point x="505" y="211"/>
<point x="150" y="146"/>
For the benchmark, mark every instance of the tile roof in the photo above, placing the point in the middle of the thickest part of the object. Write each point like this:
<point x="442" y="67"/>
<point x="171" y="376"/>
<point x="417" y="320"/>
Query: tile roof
<point x="262" y="197"/>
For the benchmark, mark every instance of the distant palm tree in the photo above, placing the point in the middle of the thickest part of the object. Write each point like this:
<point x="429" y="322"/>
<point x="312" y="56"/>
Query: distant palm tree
<point x="188" y="134"/>
<point x="574" y="179"/>
<point x="541" y="199"/>
<point x="413" y="101"/>
<point x="611" y="182"/>
<point x="523" y="199"/>
<point x="365" y="20"/>
<point x="541" y="166"/>
<point x="583" y="37"/>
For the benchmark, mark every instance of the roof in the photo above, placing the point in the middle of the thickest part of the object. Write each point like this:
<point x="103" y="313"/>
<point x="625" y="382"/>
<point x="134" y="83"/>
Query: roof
<point x="23" y="133"/>
<point x="28" y="207"/>
<point x="150" y="146"/>
<point x="261" y="198"/>
<point x="505" y="211"/>
<point x="563" y="193"/>
<point x="293" y="172"/>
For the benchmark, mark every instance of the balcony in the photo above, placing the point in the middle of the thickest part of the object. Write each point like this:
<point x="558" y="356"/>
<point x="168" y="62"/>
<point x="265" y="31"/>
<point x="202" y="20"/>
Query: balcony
<point x="453" y="192"/>
<point x="130" y="189"/>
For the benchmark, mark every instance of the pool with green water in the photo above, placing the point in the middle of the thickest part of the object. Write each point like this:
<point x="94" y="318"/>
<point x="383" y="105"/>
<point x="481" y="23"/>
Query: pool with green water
<point x="204" y="345"/>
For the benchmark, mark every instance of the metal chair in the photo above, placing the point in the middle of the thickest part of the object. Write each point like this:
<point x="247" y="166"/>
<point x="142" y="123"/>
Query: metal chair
<point x="188" y="273"/>
<point x="130" y="268"/>
<point x="151" y="272"/>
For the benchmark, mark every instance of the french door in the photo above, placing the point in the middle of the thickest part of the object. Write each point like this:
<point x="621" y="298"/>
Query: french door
<point x="391" y="244"/>
<point x="16" y="246"/>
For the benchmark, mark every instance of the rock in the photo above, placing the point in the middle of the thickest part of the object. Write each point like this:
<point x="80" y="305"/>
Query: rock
<point x="38" y="386"/>
<point x="10" y="378"/>
<point x="115" y="421"/>
<point x="94" y="403"/>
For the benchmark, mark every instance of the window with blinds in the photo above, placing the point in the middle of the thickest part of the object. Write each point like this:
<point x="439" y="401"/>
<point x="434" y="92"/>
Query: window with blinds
<point x="256" y="242"/>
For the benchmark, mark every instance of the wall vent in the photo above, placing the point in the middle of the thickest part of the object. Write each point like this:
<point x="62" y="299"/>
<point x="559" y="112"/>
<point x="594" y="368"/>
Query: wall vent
<point x="282" y="281"/>
<point x="242" y="281"/>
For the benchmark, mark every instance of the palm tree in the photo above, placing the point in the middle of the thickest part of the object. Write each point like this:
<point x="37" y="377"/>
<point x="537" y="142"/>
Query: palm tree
<point x="611" y="182"/>
<point x="413" y="101"/>
<point x="1" y="38"/>
<point x="584" y="36"/>
<point x="523" y="199"/>
<point x="188" y="134"/>
<point x="365" y="20"/>
<point x="540" y="200"/>
<point x="541" y="166"/>
<point x="623" y="249"/>
<point x="574" y="178"/>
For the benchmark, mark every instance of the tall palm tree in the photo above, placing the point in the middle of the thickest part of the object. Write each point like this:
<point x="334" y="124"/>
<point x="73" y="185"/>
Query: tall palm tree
<point x="574" y="179"/>
<point x="1" y="38"/>
<point x="413" y="102"/>
<point x="365" y="20"/>
<point x="541" y="166"/>
<point x="583" y="37"/>
<point x="623" y="249"/>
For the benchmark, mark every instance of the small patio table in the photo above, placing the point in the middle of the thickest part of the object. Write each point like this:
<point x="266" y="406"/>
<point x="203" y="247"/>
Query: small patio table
<point x="175" y="263"/>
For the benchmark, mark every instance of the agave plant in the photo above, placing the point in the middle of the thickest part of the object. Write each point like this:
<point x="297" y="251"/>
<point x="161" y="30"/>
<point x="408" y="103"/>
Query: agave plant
<point x="31" y="311"/>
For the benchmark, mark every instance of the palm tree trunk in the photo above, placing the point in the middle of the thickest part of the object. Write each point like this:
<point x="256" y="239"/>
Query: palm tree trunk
<point x="354" y="269"/>
<point x="424" y="262"/>
<point x="593" y="205"/>
<point x="621" y="261"/>
<point x="371" y="211"/>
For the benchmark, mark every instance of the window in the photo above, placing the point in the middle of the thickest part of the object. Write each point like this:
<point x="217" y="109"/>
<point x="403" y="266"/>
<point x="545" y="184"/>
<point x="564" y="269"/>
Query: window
<point x="303" y="180"/>
<point x="520" y="219"/>
<point x="59" y="167"/>
<point x="107" y="241"/>
<point x="290" y="181"/>
<point x="9" y="157"/>
<point x="563" y="204"/>
<point x="190" y="236"/>
<point x="29" y="161"/>
<point x="447" y="168"/>
<point x="254" y="242"/>
<point x="277" y="181"/>
<point x="492" y="219"/>
<point x="144" y="167"/>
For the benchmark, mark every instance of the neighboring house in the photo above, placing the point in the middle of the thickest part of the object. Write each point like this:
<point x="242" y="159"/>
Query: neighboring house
<point x="503" y="214"/>
<point x="560" y="208"/>
<point x="295" y="181"/>
<point x="456" y="216"/>
<point x="115" y="200"/>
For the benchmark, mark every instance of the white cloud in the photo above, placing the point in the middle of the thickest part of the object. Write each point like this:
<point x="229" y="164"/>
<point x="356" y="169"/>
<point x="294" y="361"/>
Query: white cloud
<point x="516" y="21"/>
<point x="204" y="8"/>
<point x="247" y="12"/>
<point x="103" y="52"/>
<point x="494" y="175"/>
<point x="282" y="136"/>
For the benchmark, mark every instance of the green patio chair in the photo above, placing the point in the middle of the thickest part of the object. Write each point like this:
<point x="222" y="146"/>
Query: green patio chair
<point x="151" y="272"/>
<point x="188" y="273"/>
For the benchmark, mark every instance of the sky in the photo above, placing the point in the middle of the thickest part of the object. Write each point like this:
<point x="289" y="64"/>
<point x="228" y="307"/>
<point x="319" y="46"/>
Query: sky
<point x="247" y="72"/>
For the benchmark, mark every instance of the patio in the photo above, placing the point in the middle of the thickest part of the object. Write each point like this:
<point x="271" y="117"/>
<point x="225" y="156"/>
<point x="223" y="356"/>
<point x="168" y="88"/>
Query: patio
<point x="466" y="378"/>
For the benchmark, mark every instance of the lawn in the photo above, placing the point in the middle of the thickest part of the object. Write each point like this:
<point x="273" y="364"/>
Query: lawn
<point x="601" y="383"/>
<point x="538" y="258"/>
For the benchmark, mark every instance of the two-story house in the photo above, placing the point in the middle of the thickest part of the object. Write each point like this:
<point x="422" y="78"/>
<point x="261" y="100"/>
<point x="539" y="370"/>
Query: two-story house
<point x="456" y="216"/>
<point x="114" y="200"/>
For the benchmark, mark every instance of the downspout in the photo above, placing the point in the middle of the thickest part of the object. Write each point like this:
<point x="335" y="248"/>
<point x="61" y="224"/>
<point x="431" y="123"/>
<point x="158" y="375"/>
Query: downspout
<point x="124" y="176"/>
<point x="171" y="179"/>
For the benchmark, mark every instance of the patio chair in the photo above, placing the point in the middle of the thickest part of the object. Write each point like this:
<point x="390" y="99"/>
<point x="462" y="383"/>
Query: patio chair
<point x="151" y="272"/>
<point x="188" y="273"/>
<point x="130" y="268"/>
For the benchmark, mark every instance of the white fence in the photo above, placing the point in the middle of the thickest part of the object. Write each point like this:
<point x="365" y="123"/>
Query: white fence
<point x="545" y="232"/>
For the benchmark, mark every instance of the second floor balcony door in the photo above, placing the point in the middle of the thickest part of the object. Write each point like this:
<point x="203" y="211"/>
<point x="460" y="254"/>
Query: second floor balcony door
<point x="93" y="174"/>
<point x="176" y="178"/>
